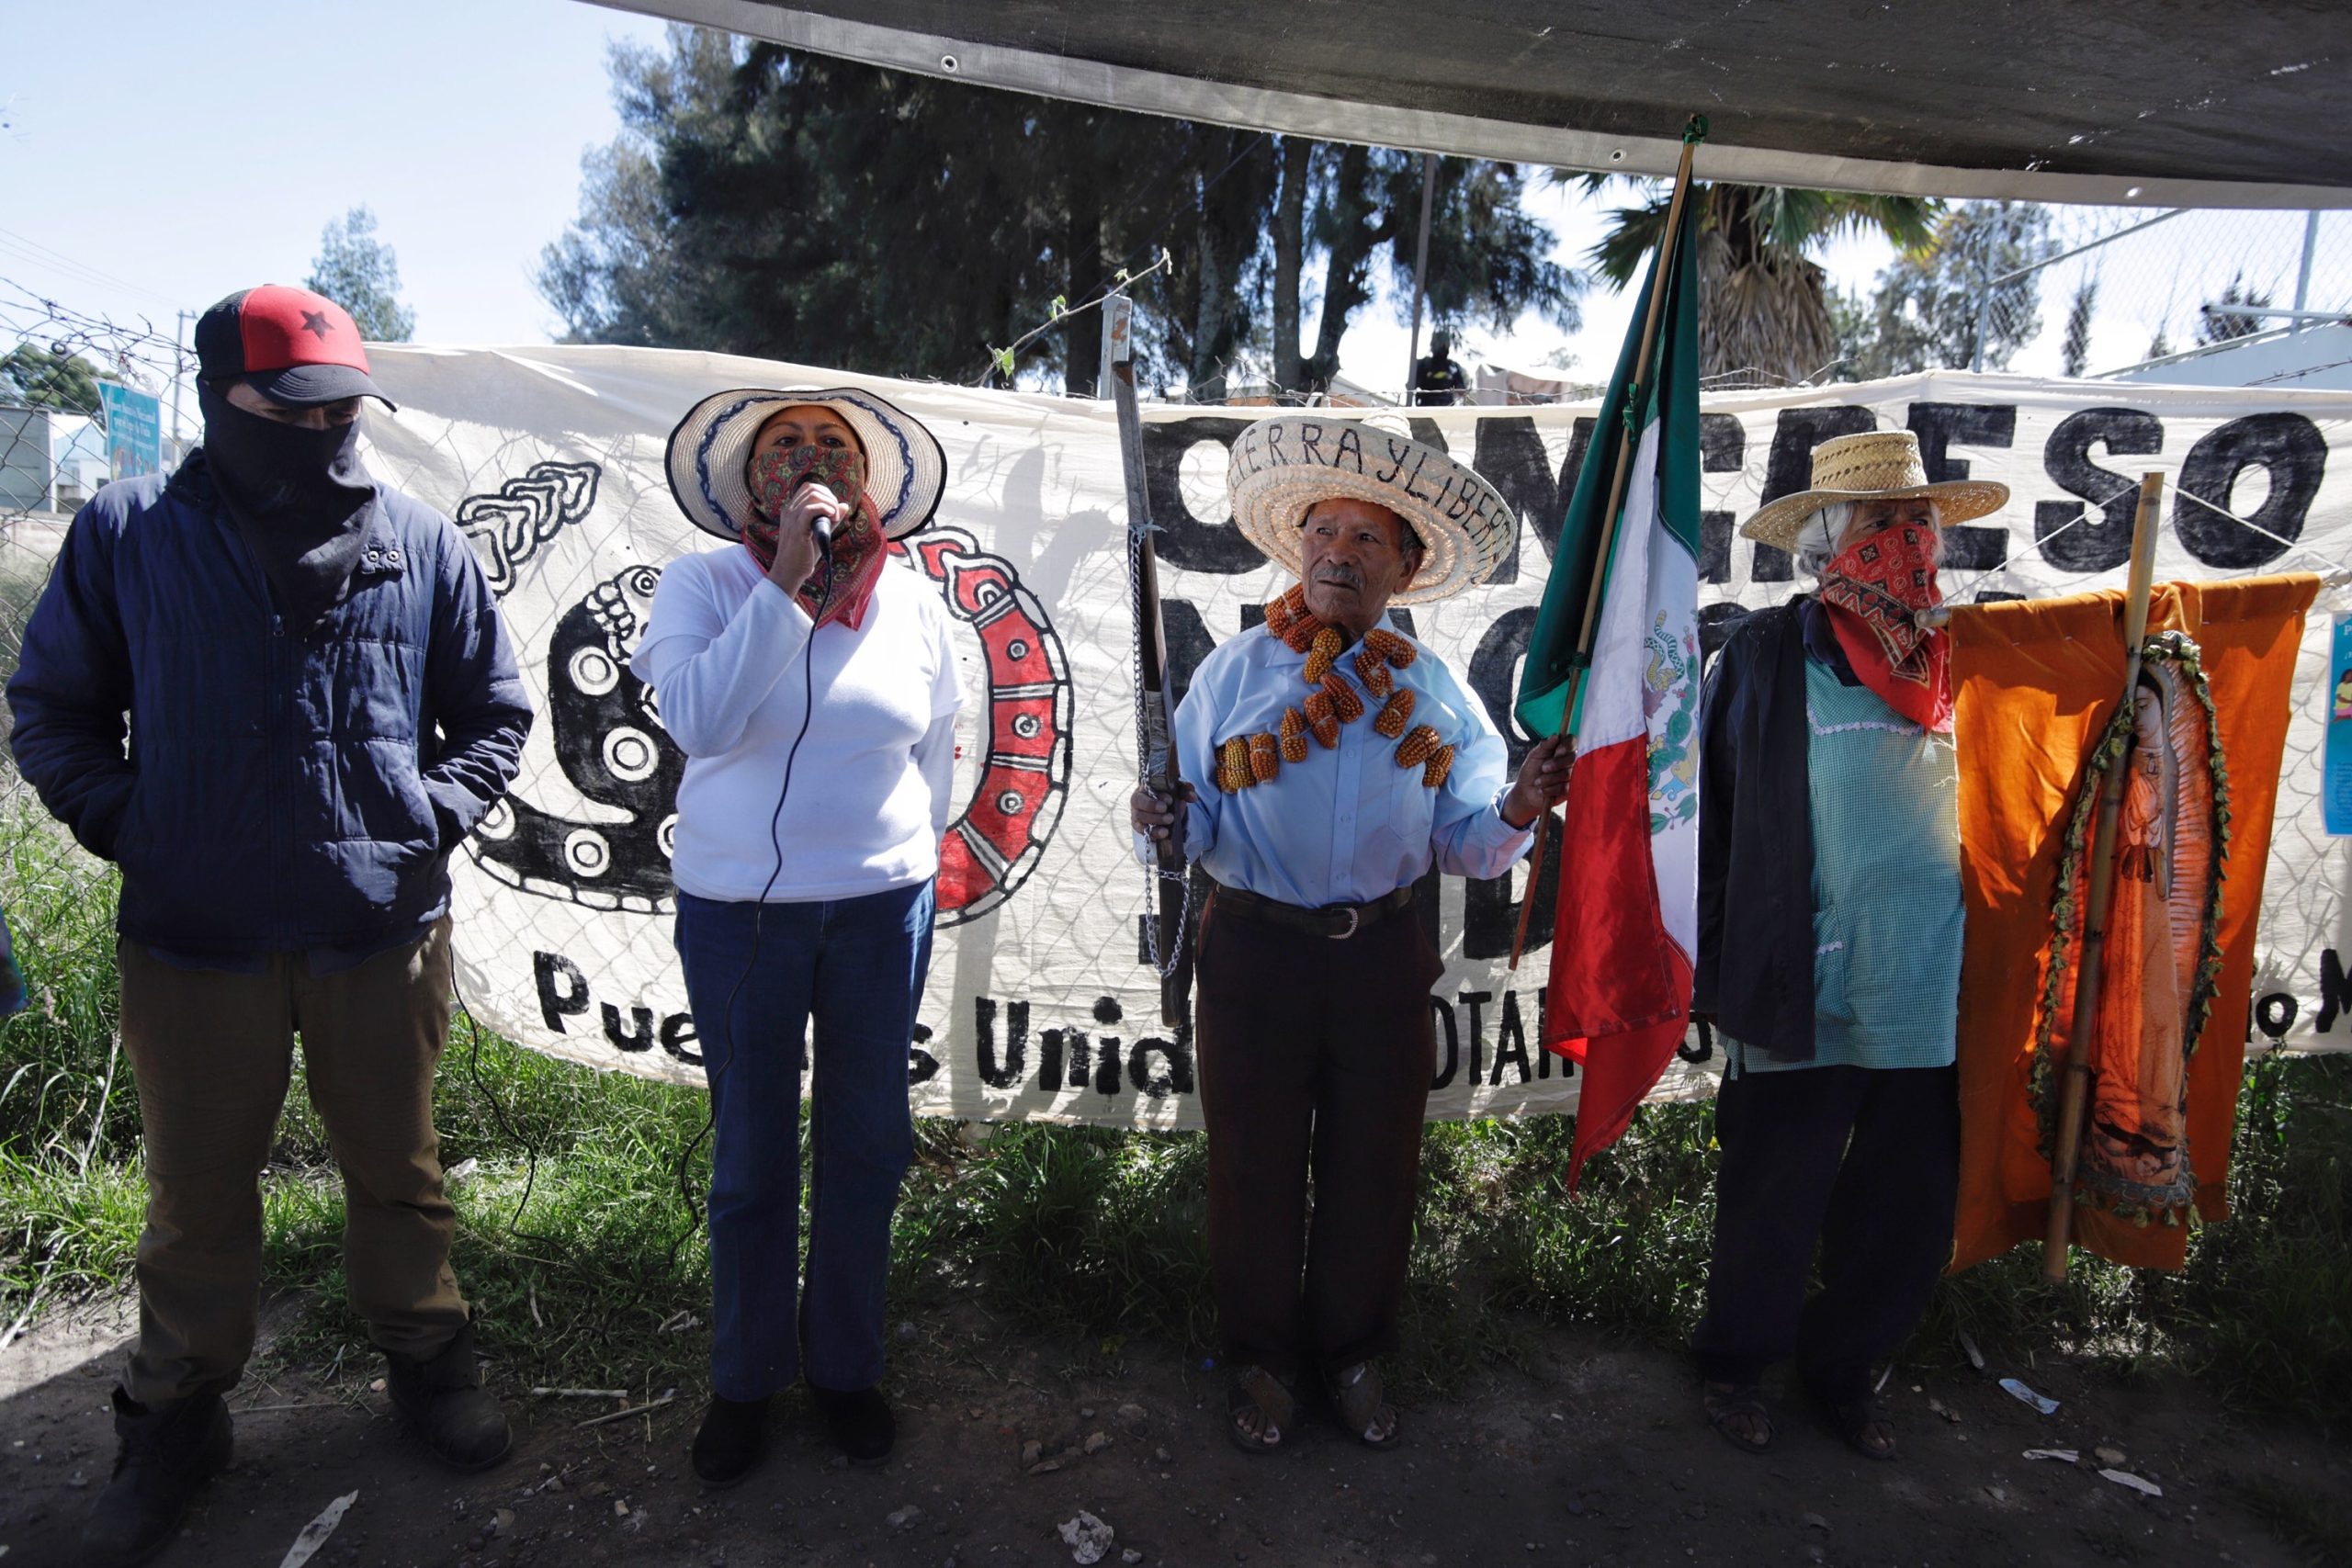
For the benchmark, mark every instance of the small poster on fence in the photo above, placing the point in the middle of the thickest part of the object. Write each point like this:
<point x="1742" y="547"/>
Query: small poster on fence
<point x="2336" y="789"/>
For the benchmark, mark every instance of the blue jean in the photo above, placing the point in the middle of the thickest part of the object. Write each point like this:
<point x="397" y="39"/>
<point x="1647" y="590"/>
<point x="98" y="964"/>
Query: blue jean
<point x="858" y="965"/>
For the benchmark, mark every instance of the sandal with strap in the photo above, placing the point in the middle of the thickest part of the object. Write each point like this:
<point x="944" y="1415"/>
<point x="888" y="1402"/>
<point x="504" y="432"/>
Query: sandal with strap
<point x="1256" y="1389"/>
<point x="1726" y="1403"/>
<point x="1357" y="1396"/>
<point x="1855" y="1418"/>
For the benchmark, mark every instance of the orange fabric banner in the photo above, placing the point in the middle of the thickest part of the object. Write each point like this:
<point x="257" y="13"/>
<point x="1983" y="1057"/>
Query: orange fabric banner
<point x="2038" y="684"/>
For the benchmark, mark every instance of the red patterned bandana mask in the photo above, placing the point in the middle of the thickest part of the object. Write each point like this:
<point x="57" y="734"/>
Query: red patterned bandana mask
<point x="842" y="589"/>
<point x="1873" y="590"/>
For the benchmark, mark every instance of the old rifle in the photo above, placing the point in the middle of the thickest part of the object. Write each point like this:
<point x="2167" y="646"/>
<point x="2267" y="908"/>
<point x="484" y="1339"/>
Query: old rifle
<point x="1155" y="746"/>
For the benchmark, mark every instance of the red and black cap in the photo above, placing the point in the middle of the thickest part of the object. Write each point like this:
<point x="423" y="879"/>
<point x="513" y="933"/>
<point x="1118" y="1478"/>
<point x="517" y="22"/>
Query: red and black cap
<point x="291" y="346"/>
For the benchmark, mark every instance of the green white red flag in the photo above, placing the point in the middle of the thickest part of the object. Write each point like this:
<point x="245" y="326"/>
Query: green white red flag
<point x="1625" y="936"/>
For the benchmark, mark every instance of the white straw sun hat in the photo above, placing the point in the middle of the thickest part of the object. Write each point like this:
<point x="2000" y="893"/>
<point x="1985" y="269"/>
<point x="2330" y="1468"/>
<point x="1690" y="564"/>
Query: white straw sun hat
<point x="1283" y="465"/>
<point x="905" y="470"/>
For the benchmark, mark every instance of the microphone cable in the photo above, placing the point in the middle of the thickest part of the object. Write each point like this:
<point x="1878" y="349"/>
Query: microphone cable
<point x="775" y="822"/>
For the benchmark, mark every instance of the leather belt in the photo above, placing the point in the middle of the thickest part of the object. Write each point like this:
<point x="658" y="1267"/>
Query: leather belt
<point x="1338" y="921"/>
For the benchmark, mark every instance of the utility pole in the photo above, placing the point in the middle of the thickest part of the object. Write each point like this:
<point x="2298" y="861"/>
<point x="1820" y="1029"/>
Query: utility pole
<point x="179" y="336"/>
<point x="1420" y="271"/>
<point x="2303" y="276"/>
<point x="1984" y="294"/>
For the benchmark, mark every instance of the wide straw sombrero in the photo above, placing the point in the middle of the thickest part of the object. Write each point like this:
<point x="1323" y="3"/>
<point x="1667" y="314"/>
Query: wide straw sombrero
<point x="905" y="469"/>
<point x="1877" y="465"/>
<point x="1283" y="465"/>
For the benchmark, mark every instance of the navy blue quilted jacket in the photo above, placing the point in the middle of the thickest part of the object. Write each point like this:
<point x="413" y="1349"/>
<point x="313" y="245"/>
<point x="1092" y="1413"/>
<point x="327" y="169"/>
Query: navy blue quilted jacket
<point x="272" y="790"/>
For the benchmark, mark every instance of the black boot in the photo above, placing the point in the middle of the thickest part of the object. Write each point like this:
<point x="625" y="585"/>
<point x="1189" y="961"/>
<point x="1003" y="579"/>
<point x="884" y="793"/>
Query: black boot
<point x="860" y="1422"/>
<point x="733" y="1434"/>
<point x="169" y="1448"/>
<point x="444" y="1403"/>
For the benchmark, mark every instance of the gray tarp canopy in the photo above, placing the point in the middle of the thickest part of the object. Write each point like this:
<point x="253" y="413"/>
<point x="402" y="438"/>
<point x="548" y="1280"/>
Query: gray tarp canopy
<point x="2169" y="102"/>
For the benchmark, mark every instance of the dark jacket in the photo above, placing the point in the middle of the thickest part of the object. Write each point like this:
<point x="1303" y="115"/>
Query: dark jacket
<point x="281" y="790"/>
<point x="1756" y="840"/>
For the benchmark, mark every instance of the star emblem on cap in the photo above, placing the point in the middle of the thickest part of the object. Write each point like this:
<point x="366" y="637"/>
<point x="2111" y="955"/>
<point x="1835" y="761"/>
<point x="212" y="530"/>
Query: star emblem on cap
<point x="316" y="323"/>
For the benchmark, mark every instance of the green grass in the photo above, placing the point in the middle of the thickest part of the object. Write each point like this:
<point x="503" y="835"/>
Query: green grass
<point x="1090" y="1233"/>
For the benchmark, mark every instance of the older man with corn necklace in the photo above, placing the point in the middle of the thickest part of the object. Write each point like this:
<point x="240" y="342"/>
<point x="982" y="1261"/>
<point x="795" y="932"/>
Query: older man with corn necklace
<point x="1337" y="761"/>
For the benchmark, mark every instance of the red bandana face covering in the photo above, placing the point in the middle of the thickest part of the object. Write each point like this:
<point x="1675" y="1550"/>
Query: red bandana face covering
<point x="841" y="590"/>
<point x="1872" y="590"/>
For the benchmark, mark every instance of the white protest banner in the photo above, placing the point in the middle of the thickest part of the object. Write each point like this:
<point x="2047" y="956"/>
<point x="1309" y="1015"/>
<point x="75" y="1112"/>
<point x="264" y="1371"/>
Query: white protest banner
<point x="1040" y="1004"/>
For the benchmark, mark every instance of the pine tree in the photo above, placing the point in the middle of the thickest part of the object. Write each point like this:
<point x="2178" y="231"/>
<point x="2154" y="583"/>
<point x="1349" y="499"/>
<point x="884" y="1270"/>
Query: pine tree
<point x="797" y="207"/>
<point x="1929" y="305"/>
<point x="360" y="273"/>
<point x="2075" y="357"/>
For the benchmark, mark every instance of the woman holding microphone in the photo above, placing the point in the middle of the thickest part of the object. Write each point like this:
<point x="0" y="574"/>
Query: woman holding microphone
<point x="812" y="685"/>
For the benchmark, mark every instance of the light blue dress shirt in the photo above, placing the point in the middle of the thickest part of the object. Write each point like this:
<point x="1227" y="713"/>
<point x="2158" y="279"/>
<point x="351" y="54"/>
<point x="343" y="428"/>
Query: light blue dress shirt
<point x="1348" y="825"/>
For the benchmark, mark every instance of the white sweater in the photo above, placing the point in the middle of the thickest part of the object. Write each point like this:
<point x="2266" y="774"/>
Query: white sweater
<point x="869" y="796"/>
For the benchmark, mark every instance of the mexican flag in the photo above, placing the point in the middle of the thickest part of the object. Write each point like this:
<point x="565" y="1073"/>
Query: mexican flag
<point x="1626" y="931"/>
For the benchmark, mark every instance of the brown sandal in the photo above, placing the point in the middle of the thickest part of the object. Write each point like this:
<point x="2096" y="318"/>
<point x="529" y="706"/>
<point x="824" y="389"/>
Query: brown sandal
<point x="1357" y="1396"/>
<point x="1723" y="1405"/>
<point x="1255" y="1388"/>
<point x="1855" y="1418"/>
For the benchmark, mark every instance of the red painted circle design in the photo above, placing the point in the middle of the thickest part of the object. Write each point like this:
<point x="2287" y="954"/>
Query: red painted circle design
<point x="995" y="843"/>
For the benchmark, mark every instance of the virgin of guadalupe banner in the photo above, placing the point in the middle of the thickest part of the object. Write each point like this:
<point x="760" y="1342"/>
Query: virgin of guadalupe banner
<point x="1041" y="1003"/>
<point x="2039" y="728"/>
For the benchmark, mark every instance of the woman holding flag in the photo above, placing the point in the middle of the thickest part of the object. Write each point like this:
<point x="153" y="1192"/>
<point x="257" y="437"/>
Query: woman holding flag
<point x="1830" y="943"/>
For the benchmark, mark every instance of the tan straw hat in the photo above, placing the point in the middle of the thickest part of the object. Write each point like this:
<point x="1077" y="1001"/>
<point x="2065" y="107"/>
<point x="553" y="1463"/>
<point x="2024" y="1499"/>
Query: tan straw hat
<point x="1877" y="464"/>
<point x="1283" y="465"/>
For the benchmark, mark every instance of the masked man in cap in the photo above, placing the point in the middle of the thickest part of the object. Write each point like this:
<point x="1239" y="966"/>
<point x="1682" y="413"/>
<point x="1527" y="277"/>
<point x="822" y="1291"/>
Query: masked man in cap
<point x="277" y="693"/>
<point x="1337" y="761"/>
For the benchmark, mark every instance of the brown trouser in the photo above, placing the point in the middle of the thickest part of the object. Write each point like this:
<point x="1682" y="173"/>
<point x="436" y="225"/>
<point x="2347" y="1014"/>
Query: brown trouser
<point x="1315" y="1057"/>
<point x="212" y="1053"/>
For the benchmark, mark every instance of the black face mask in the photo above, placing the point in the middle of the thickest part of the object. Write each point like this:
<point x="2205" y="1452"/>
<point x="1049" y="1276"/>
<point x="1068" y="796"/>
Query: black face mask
<point x="301" y="499"/>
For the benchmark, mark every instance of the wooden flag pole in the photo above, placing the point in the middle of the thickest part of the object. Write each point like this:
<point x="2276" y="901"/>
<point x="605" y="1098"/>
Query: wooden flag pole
<point x="1155" y="746"/>
<point x="1609" y="517"/>
<point x="2097" y="898"/>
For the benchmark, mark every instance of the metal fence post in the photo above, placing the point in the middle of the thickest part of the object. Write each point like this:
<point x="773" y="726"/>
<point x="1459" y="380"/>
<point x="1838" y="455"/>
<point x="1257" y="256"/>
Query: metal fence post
<point x="2303" y="276"/>
<point x="1983" y="300"/>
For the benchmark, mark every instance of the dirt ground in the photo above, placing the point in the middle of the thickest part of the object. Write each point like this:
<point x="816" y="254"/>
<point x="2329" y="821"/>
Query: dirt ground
<point x="1593" y="1453"/>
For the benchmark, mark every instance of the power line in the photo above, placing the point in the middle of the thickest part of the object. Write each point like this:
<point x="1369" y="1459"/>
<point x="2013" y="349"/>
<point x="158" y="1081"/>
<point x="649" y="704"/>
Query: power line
<point x="51" y="257"/>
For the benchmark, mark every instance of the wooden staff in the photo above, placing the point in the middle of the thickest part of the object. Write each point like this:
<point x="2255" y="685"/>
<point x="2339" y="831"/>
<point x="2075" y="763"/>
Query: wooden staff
<point x="1153" y="749"/>
<point x="1634" y="397"/>
<point x="2074" y="1100"/>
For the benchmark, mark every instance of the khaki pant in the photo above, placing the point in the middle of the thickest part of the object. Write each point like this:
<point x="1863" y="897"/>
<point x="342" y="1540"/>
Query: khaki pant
<point x="213" y="1053"/>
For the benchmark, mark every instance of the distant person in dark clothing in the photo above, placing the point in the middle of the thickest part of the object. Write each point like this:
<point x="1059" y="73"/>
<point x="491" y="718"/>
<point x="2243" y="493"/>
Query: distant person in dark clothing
<point x="277" y="694"/>
<point x="1438" y="380"/>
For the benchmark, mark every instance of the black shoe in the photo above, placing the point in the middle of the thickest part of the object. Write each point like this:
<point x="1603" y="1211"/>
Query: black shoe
<point x="169" y="1448"/>
<point x="444" y="1403"/>
<point x="860" y="1422"/>
<point x="730" y="1441"/>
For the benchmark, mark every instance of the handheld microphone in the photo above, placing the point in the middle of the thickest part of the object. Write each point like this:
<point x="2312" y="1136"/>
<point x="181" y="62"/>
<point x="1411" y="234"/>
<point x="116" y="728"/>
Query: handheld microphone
<point x="820" y="527"/>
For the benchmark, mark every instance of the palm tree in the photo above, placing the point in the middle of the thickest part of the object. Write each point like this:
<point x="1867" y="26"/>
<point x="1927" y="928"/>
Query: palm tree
<point x="1762" y="305"/>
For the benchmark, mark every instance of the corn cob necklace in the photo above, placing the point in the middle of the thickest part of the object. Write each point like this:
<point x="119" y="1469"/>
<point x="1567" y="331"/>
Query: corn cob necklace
<point x="1247" y="760"/>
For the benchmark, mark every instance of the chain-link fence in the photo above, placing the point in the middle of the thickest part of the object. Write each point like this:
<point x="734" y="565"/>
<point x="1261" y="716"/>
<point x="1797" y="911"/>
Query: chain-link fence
<point x="83" y="400"/>
<point x="2118" y="292"/>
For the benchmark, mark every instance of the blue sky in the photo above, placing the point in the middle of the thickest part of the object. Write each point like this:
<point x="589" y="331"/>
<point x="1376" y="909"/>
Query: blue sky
<point x="173" y="152"/>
